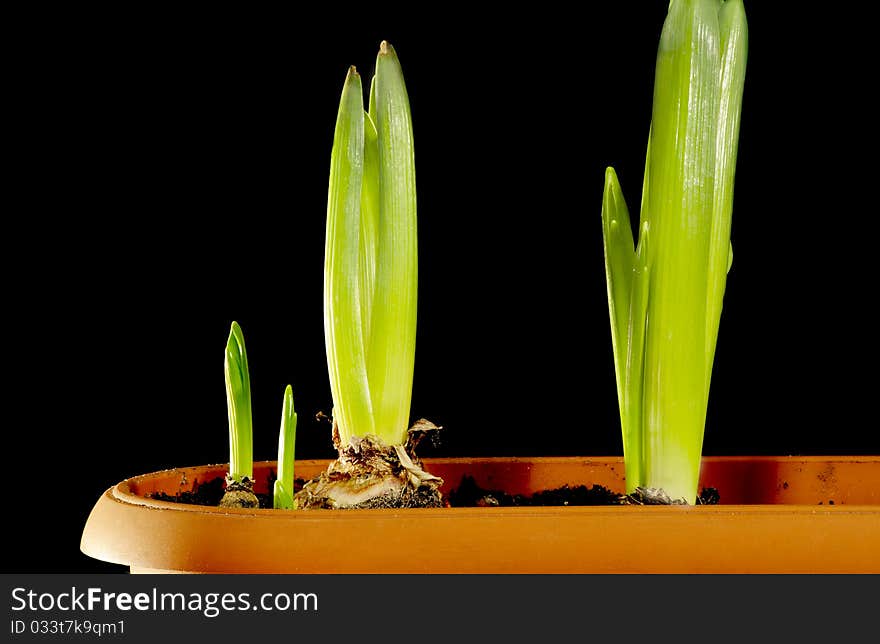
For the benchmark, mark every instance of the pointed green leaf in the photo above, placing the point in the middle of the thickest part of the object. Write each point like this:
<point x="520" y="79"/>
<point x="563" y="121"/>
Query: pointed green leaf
<point x="343" y="326"/>
<point x="619" y="255"/>
<point x="283" y="491"/>
<point x="393" y="330"/>
<point x="238" y="406"/>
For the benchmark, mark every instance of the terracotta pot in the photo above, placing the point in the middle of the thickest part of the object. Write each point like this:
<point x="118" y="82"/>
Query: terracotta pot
<point x="778" y="514"/>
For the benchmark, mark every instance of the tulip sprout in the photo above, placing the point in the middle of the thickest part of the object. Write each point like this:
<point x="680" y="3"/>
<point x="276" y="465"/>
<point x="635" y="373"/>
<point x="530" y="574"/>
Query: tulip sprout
<point x="665" y="294"/>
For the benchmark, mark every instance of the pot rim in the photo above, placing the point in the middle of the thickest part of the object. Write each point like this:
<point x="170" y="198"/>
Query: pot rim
<point x="121" y="492"/>
<point x="787" y="535"/>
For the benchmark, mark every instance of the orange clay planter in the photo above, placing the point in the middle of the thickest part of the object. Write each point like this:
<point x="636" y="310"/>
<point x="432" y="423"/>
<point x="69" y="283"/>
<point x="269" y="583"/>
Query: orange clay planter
<point x="778" y="514"/>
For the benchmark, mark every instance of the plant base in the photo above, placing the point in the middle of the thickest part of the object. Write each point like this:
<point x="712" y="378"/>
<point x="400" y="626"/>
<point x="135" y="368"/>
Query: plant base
<point x="239" y="494"/>
<point x="371" y="474"/>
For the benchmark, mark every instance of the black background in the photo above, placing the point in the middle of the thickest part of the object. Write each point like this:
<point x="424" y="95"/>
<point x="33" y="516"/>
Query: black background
<point x="169" y="175"/>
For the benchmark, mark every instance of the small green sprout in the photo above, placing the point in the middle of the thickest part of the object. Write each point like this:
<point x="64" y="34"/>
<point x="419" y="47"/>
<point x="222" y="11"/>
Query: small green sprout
<point x="665" y="294"/>
<point x="283" y="492"/>
<point x="371" y="263"/>
<point x="240" y="479"/>
<point x="238" y="404"/>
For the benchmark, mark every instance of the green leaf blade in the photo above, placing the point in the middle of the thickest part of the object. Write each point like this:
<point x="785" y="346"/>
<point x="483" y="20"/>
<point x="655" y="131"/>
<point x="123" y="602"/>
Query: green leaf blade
<point x="681" y="197"/>
<point x="238" y="406"/>
<point x="633" y="386"/>
<point x="393" y="330"/>
<point x="343" y="280"/>
<point x="369" y="228"/>
<point x="619" y="256"/>
<point x="734" y="51"/>
<point x="283" y="491"/>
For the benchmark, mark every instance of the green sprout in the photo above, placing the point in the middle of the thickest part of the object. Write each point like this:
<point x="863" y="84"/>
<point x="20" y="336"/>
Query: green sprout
<point x="283" y="492"/>
<point x="238" y="404"/>
<point x="665" y="294"/>
<point x="371" y="262"/>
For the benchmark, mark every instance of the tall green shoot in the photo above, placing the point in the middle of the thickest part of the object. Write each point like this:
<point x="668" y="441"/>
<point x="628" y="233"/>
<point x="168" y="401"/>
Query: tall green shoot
<point x="665" y="296"/>
<point x="371" y="260"/>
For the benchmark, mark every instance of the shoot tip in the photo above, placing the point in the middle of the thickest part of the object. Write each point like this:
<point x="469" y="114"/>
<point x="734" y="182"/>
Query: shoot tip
<point x="236" y="337"/>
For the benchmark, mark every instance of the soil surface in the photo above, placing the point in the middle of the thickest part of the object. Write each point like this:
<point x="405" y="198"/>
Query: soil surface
<point x="210" y="493"/>
<point x="469" y="494"/>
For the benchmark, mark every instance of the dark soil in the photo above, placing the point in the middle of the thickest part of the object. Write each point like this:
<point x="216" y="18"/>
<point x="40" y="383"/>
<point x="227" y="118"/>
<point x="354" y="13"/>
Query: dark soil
<point x="210" y="493"/>
<point x="709" y="496"/>
<point x="469" y="494"/>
